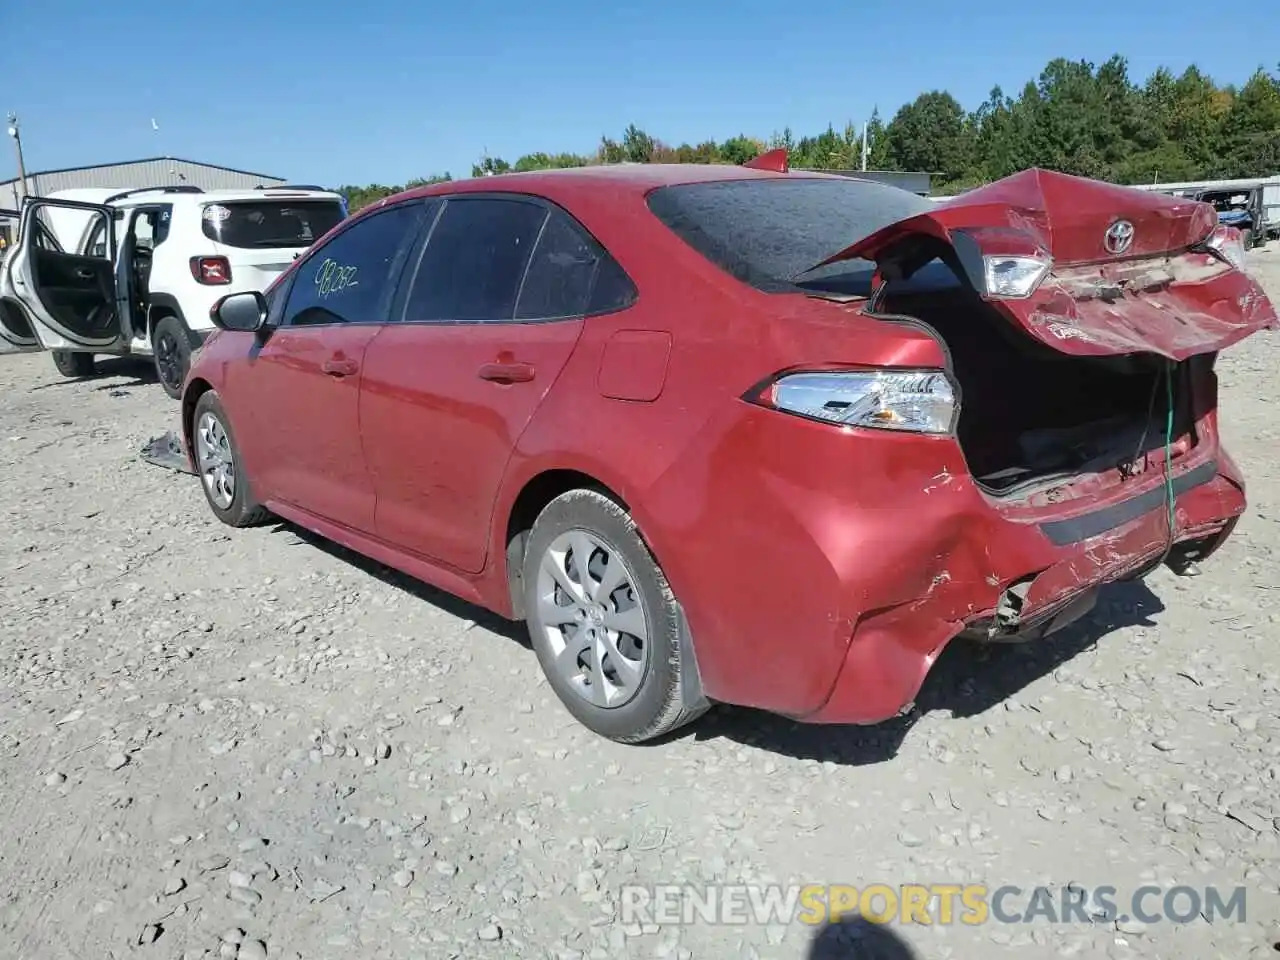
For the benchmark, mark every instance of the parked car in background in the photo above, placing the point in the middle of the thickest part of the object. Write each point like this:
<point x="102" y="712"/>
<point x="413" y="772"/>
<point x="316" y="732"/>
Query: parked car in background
<point x="736" y="434"/>
<point x="1242" y="209"/>
<point x="1250" y="205"/>
<point x="135" y="272"/>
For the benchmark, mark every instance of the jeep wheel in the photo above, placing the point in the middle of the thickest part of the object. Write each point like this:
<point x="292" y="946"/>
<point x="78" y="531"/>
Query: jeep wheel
<point x="172" y="352"/>
<point x="73" y="364"/>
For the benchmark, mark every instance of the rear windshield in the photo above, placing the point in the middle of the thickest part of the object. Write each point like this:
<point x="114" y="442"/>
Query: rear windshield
<point x="270" y="223"/>
<point x="765" y="232"/>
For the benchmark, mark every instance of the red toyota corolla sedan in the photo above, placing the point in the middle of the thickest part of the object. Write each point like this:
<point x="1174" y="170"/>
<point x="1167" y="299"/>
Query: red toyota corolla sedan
<point x="741" y="435"/>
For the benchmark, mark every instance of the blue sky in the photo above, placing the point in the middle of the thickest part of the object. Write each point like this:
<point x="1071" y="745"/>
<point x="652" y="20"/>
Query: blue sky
<point x="386" y="90"/>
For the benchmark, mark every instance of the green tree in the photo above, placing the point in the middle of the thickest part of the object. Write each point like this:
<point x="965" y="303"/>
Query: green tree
<point x="490" y="167"/>
<point x="1251" y="128"/>
<point x="1076" y="117"/>
<point x="739" y="150"/>
<point x="637" y="145"/>
<point x="931" y="134"/>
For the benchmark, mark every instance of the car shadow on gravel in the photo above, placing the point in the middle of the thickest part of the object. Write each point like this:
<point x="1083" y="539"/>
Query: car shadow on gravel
<point x="857" y="938"/>
<point x="140" y="370"/>
<point x="447" y="602"/>
<point x="967" y="680"/>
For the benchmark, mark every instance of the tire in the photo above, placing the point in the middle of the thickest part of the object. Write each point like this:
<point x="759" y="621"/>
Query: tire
<point x="171" y="351"/>
<point x="213" y="444"/>
<point x="652" y="695"/>
<point x="1246" y="238"/>
<point x="73" y="364"/>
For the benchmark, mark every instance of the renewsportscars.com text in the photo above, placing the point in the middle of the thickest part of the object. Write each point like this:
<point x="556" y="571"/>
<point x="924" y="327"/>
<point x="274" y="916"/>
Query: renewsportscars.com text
<point x="926" y="904"/>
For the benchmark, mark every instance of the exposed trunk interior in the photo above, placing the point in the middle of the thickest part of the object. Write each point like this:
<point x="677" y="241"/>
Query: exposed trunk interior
<point x="1030" y="414"/>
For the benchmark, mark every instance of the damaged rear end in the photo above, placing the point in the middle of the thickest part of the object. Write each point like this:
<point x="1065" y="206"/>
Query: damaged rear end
<point x="1080" y="323"/>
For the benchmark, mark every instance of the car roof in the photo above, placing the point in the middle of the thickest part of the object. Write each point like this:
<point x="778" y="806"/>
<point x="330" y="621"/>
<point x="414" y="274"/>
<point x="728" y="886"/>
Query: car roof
<point x="636" y="179"/>
<point x="155" y="194"/>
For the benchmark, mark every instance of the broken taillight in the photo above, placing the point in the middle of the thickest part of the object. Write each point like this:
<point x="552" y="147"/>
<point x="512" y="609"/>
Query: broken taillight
<point x="918" y="401"/>
<point x="213" y="271"/>
<point x="1226" y="244"/>
<point x="1013" y="278"/>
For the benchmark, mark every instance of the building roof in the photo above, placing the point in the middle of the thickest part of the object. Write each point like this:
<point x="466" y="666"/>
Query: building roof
<point x="32" y="174"/>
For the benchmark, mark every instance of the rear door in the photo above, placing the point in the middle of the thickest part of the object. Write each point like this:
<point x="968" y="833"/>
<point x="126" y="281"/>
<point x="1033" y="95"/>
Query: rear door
<point x="260" y="238"/>
<point x="70" y="299"/>
<point x="487" y="319"/>
<point x="16" y="333"/>
<point x="1087" y="268"/>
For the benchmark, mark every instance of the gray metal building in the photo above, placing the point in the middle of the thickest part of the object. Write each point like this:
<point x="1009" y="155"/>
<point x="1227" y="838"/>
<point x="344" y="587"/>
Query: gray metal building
<point x="151" y="172"/>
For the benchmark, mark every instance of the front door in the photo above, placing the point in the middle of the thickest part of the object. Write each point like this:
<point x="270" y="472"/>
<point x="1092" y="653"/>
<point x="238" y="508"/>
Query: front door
<point x="297" y="393"/>
<point x="71" y="299"/>
<point x="490" y="315"/>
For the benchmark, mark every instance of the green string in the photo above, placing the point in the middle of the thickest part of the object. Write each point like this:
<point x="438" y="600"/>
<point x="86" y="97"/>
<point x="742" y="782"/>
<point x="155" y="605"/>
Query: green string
<point x="1169" y="495"/>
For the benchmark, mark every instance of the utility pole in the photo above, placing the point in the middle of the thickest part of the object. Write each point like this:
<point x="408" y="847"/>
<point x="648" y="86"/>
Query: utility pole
<point x="16" y="133"/>
<point x="865" y="125"/>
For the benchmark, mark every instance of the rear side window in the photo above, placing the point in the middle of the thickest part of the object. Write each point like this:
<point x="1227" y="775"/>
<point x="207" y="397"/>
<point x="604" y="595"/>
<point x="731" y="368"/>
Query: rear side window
<point x="767" y="231"/>
<point x="350" y="278"/>
<point x="475" y="260"/>
<point x="269" y="224"/>
<point x="558" y="281"/>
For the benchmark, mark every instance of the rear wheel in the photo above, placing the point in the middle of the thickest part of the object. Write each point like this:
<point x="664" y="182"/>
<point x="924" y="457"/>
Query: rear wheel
<point x="172" y="351"/>
<point x="73" y="364"/>
<point x="220" y="467"/>
<point x="604" y="623"/>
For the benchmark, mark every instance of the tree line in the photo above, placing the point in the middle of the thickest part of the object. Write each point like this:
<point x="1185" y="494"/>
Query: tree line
<point x="1078" y="118"/>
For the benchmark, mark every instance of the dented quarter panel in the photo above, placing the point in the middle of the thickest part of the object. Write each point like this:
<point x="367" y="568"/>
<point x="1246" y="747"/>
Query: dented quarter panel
<point x="891" y="550"/>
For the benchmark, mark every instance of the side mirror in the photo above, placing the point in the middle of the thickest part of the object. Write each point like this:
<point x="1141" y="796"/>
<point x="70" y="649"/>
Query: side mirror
<point x="246" y="312"/>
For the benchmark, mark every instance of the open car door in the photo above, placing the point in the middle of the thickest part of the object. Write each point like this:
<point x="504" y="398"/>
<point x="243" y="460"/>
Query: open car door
<point x="70" y="299"/>
<point x="16" y="333"/>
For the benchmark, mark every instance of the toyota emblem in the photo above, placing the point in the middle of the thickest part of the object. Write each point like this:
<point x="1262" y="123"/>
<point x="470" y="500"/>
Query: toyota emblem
<point x="1119" y="237"/>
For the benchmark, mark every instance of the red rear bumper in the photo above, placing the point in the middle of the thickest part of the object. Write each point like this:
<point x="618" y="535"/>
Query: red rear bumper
<point x="892" y="650"/>
<point x="822" y="579"/>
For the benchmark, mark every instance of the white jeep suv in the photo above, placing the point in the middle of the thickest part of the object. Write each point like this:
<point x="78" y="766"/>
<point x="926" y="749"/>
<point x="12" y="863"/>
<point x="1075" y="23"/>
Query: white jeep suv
<point x="97" y="271"/>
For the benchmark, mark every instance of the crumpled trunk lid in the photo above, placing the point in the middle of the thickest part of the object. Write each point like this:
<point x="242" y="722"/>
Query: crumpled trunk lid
<point x="1124" y="271"/>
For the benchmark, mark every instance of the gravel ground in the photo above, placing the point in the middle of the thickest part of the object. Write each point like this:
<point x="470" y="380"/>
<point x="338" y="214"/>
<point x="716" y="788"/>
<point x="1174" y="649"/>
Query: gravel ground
<point x="217" y="743"/>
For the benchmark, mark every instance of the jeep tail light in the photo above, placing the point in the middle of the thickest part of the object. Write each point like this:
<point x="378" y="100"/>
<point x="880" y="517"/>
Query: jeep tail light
<point x="1226" y="244"/>
<point x="213" y="271"/>
<point x="916" y="401"/>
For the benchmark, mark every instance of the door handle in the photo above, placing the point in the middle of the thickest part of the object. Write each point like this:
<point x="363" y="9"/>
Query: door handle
<point x="512" y="372"/>
<point x="84" y="273"/>
<point x="340" y="367"/>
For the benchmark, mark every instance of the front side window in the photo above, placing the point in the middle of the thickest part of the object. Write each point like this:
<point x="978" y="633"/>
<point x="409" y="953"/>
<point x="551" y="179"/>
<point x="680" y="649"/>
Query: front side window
<point x="270" y="224"/>
<point x="349" y="279"/>
<point x="472" y="267"/>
